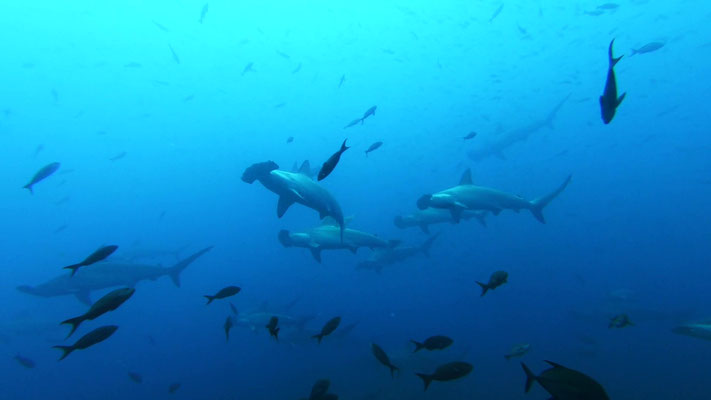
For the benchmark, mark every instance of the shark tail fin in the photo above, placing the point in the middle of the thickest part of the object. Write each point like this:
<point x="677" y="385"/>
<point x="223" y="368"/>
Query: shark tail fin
<point x="484" y="288"/>
<point x="74" y="322"/>
<point x="418" y="346"/>
<point x="427" y="245"/>
<point x="540" y="203"/>
<point x="530" y="377"/>
<point x="66" y="350"/>
<point x="175" y="270"/>
<point x="73" y="267"/>
<point x="209" y="298"/>
<point x="285" y="238"/>
<point x="426" y="379"/>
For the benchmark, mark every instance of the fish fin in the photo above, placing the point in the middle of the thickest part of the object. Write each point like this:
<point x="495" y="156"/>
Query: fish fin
<point x="74" y="322"/>
<point x="285" y="238"/>
<point x="426" y="379"/>
<point x="343" y="146"/>
<point x="29" y="187"/>
<point x="175" y="270"/>
<point x="481" y="217"/>
<point x="66" y="351"/>
<point x="530" y="377"/>
<point x="619" y="99"/>
<point x="283" y="205"/>
<point x="425" y="228"/>
<point x="392" y="370"/>
<point x="425" y="247"/>
<point x="316" y="252"/>
<point x="613" y="60"/>
<point x="552" y="364"/>
<point x="484" y="288"/>
<point x="418" y="346"/>
<point x="538" y="204"/>
<point x="83" y="296"/>
<point x="318" y="337"/>
<point x="74" y="268"/>
<point x="466" y="177"/>
<point x="305" y="168"/>
<point x="209" y="298"/>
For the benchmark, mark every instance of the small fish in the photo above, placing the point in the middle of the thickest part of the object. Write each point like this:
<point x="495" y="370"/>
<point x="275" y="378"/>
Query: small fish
<point x="108" y="302"/>
<point x="188" y="97"/>
<point x="381" y="356"/>
<point x="234" y="309"/>
<point x="328" y="328"/>
<point x="620" y="321"/>
<point x="518" y="350"/>
<point x="283" y="55"/>
<point x="24" y="361"/>
<point x="132" y="64"/>
<point x="228" y="325"/>
<point x="447" y="372"/>
<point x="647" y="48"/>
<point x="496" y="279"/>
<point x="55" y="95"/>
<point x="368" y="113"/>
<point x="437" y="342"/>
<point x="43" y="173"/>
<point x="175" y="55"/>
<point x="343" y="79"/>
<point x="161" y="27"/>
<point x="203" y="13"/>
<point x="297" y="69"/>
<point x="594" y="13"/>
<point x="94" y="257"/>
<point x="353" y="123"/>
<point x="280" y="105"/>
<point x="289" y="139"/>
<point x="136" y="377"/>
<point x="60" y="228"/>
<point x="373" y="147"/>
<point x="118" y="156"/>
<point x="173" y="387"/>
<point x="609" y="100"/>
<point x="248" y="68"/>
<point x="470" y="135"/>
<point x="38" y="149"/>
<point x="273" y="328"/>
<point x="223" y="293"/>
<point x="332" y="161"/>
<point x="608" y="6"/>
<point x="98" y="335"/>
<point x="497" y="12"/>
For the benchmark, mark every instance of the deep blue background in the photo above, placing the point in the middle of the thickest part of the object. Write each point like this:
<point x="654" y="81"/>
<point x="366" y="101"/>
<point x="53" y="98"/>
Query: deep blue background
<point x="634" y="221"/>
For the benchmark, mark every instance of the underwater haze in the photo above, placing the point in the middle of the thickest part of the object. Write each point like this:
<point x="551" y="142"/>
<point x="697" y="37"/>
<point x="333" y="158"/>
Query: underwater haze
<point x="163" y="115"/>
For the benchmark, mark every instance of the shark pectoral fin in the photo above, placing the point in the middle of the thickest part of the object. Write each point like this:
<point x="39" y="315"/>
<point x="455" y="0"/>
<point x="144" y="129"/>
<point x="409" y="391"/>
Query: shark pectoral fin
<point x="283" y="205"/>
<point x="84" y="296"/>
<point x="316" y="252"/>
<point x="619" y="99"/>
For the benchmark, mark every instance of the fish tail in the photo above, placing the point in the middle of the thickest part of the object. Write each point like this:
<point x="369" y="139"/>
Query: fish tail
<point x="29" y="187"/>
<point x="74" y="268"/>
<point x="343" y="146"/>
<point x="209" y="298"/>
<point x="66" y="351"/>
<point x="427" y="245"/>
<point x="74" y="322"/>
<point x="318" y="337"/>
<point x="484" y="288"/>
<point x="418" y="346"/>
<point x="540" y="203"/>
<point x="392" y="370"/>
<point x="530" y="377"/>
<point x="276" y="334"/>
<point x="175" y="270"/>
<point x="613" y="60"/>
<point x="426" y="379"/>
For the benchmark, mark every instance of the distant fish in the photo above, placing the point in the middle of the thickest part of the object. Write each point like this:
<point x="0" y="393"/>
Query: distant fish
<point x="136" y="377"/>
<point x="38" y="150"/>
<point x="594" y="13"/>
<point x="497" y="12"/>
<point x="227" y="326"/>
<point x="188" y="97"/>
<point x="332" y="161"/>
<point x="60" y="228"/>
<point x="94" y="257"/>
<point x="437" y="342"/>
<point x="283" y="55"/>
<point x="608" y="6"/>
<point x="223" y="293"/>
<point x="203" y="13"/>
<point x="43" y="173"/>
<point x="373" y="147"/>
<point x="248" y="68"/>
<point x="132" y="64"/>
<point x="328" y="328"/>
<point x="118" y="156"/>
<point x="280" y="105"/>
<point x="175" y="55"/>
<point x="55" y="95"/>
<point x="368" y="113"/>
<point x="173" y="387"/>
<point x="161" y="27"/>
<point x="470" y="135"/>
<point x="447" y="372"/>
<point x="609" y="100"/>
<point x="290" y="139"/>
<point x="620" y="321"/>
<point x="353" y="123"/>
<point x="297" y="69"/>
<point x="98" y="335"/>
<point x="108" y="302"/>
<point x="343" y="79"/>
<point x="273" y="328"/>
<point x="383" y="358"/>
<point x="647" y="48"/>
<point x="496" y="279"/>
<point x="24" y="361"/>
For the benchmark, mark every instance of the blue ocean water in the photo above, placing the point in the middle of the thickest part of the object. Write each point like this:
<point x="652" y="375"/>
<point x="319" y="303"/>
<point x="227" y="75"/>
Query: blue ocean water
<point x="155" y="110"/>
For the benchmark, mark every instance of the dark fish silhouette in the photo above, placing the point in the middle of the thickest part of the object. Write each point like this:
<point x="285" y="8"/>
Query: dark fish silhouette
<point x="203" y="13"/>
<point x="43" y="173"/>
<point x="564" y="383"/>
<point x="161" y="27"/>
<point x="609" y="100"/>
<point x="438" y="342"/>
<point x="109" y="302"/>
<point x="94" y="257"/>
<point x="620" y="321"/>
<point x="332" y="161"/>
<point x="381" y="356"/>
<point x="24" y="361"/>
<point x="38" y="150"/>
<point x="608" y="6"/>
<point x="297" y="69"/>
<point x="447" y="372"/>
<point x="173" y="387"/>
<point x="223" y="293"/>
<point x="136" y="377"/>
<point x="373" y="147"/>
<point x="647" y="48"/>
<point x="228" y="325"/>
<point x="497" y="12"/>
<point x="290" y="139"/>
<point x="328" y="328"/>
<point x="368" y="113"/>
<point x="496" y="279"/>
<point x="471" y="135"/>
<point x="273" y="328"/>
<point x="248" y="68"/>
<point x="175" y="55"/>
<point x="343" y="79"/>
<point x="353" y="123"/>
<point x="118" y="156"/>
<point x="96" y="336"/>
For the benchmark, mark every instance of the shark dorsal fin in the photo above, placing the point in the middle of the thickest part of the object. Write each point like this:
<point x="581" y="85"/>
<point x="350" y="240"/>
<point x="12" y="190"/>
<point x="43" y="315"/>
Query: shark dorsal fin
<point x="466" y="177"/>
<point x="305" y="168"/>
